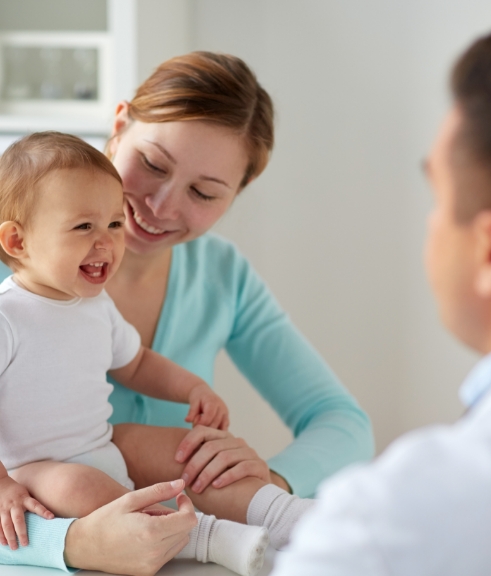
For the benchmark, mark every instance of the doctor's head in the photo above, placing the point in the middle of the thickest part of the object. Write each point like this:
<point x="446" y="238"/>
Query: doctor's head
<point x="458" y="252"/>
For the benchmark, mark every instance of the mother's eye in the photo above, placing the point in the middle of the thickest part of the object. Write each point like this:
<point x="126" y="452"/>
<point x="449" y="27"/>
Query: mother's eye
<point x="202" y="196"/>
<point x="151" y="166"/>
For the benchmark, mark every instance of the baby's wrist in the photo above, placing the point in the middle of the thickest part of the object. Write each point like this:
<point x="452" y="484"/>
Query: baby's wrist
<point x="200" y="388"/>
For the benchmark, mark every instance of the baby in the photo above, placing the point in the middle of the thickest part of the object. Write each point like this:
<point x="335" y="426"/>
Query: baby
<point x="61" y="232"/>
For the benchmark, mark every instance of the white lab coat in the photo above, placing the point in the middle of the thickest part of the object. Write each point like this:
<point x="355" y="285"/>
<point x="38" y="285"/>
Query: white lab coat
<point x="422" y="508"/>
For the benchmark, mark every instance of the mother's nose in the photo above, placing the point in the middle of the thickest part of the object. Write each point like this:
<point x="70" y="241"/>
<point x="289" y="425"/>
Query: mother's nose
<point x="165" y="202"/>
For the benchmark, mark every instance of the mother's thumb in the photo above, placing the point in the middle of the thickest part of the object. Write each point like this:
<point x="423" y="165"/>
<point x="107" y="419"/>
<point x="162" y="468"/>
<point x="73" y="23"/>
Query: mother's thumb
<point x="135" y="501"/>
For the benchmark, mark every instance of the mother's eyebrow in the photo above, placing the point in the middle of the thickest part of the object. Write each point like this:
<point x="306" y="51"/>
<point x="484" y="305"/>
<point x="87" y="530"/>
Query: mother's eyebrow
<point x="212" y="179"/>
<point x="163" y="150"/>
<point x="174" y="161"/>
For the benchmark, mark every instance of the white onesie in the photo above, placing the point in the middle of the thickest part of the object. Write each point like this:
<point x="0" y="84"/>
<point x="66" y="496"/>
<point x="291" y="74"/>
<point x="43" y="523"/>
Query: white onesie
<point x="54" y="356"/>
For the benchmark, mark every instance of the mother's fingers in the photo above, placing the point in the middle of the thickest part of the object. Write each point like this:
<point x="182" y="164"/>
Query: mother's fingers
<point x="140" y="499"/>
<point x="119" y="539"/>
<point x="174" y="545"/>
<point x="193" y="440"/>
<point x="246" y="468"/>
<point x="184" y="504"/>
<point x="228" y="466"/>
<point x="205" y="454"/>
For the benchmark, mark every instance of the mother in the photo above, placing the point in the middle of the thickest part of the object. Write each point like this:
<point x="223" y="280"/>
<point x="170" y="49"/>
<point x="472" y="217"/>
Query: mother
<point x="196" y="133"/>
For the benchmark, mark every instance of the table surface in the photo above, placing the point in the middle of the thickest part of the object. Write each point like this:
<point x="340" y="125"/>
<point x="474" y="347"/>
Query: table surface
<point x="173" y="568"/>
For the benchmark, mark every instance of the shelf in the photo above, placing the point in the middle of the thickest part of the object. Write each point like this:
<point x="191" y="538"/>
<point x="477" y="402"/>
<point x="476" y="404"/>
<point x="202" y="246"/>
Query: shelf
<point x="16" y="124"/>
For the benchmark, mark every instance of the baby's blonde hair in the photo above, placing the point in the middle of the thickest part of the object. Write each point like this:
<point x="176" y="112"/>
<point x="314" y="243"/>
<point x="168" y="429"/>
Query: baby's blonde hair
<point x="28" y="160"/>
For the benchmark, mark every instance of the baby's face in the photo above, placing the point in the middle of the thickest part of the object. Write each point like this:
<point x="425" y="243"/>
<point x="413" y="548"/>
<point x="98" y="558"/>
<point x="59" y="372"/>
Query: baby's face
<point x="75" y="239"/>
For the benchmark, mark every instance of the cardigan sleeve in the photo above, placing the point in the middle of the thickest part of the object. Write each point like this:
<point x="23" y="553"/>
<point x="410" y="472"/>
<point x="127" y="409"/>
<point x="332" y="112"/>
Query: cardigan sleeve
<point x="330" y="429"/>
<point x="46" y="544"/>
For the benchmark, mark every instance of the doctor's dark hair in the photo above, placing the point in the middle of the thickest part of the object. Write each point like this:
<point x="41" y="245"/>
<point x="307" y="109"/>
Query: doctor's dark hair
<point x="28" y="160"/>
<point x="471" y="153"/>
<point x="211" y="87"/>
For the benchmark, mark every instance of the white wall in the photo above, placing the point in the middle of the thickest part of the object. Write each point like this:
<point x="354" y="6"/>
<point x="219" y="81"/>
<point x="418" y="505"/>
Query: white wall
<point x="336" y="224"/>
<point x="163" y="30"/>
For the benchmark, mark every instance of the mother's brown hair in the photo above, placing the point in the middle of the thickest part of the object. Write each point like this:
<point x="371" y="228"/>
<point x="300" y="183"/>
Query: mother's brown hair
<point x="211" y="87"/>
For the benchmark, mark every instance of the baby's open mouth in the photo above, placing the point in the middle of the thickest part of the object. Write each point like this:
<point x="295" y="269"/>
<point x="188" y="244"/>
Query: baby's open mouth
<point x="95" y="272"/>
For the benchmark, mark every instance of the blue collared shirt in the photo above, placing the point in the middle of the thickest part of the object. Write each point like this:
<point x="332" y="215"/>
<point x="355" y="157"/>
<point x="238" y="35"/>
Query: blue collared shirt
<point x="477" y="384"/>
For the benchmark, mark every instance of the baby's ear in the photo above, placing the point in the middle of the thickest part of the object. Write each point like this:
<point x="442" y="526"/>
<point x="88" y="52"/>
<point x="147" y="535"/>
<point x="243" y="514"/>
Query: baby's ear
<point x="12" y="239"/>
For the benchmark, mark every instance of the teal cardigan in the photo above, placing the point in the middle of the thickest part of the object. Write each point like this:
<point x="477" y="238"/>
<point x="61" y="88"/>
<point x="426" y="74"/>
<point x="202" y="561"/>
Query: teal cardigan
<point x="216" y="300"/>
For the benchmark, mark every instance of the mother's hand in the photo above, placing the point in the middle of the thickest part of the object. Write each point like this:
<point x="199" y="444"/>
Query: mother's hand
<point x="218" y="458"/>
<point x="120" y="538"/>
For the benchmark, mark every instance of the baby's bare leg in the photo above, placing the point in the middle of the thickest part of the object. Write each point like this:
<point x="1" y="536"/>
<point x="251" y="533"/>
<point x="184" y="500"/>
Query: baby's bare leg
<point x="149" y="455"/>
<point x="68" y="490"/>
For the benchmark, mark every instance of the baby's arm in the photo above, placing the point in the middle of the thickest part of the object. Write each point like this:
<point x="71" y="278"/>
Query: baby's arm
<point x="14" y="501"/>
<point x="157" y="376"/>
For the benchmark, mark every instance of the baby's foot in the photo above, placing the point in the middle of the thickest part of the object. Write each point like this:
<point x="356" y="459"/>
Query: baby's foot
<point x="278" y="511"/>
<point x="238" y="547"/>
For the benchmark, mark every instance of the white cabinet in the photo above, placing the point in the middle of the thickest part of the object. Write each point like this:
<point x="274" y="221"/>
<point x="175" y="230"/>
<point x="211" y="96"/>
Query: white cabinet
<point x="64" y="64"/>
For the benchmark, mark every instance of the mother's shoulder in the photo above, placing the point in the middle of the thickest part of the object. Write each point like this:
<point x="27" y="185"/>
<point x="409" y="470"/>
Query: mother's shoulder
<point x="214" y="260"/>
<point x="210" y="249"/>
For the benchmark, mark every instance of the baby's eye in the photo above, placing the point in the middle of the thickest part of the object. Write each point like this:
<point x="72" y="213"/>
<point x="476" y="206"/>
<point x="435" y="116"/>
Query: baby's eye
<point x="116" y="224"/>
<point x="84" y="226"/>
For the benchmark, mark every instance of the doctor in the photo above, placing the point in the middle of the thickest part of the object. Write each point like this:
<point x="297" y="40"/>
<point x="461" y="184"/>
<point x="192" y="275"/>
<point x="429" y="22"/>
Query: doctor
<point x="424" y="507"/>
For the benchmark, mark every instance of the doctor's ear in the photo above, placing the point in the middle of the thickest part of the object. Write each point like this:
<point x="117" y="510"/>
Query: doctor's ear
<point x="12" y="239"/>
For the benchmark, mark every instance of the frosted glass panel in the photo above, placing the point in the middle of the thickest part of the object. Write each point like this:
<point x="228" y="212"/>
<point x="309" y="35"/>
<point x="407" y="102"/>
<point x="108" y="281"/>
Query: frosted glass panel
<point x="48" y="15"/>
<point x="49" y="73"/>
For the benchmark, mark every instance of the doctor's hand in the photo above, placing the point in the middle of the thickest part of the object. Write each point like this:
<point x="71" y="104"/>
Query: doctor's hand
<point x="218" y="458"/>
<point x="121" y="538"/>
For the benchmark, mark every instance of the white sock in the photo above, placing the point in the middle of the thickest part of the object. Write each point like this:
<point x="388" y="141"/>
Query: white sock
<point x="238" y="547"/>
<point x="277" y="511"/>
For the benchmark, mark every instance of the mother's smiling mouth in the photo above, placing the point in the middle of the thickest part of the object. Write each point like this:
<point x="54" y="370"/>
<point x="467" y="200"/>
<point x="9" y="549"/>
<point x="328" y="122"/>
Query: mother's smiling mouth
<point x="143" y="224"/>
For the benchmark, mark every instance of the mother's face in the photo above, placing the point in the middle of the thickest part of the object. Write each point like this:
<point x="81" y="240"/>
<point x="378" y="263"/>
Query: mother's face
<point x="179" y="178"/>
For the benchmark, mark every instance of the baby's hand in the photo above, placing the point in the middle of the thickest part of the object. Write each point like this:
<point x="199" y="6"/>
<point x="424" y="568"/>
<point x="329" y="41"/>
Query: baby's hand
<point x="14" y="501"/>
<point x="207" y="408"/>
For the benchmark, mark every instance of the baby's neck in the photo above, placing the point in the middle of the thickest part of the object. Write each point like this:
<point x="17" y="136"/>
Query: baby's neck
<point x="39" y="289"/>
